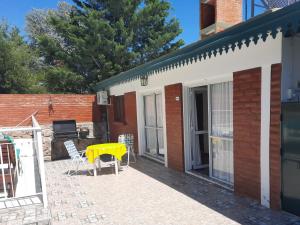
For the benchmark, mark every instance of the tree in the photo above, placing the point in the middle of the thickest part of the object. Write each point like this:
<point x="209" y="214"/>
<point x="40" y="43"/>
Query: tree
<point x="58" y="78"/>
<point x="101" y="38"/>
<point x="38" y="23"/>
<point x="19" y="69"/>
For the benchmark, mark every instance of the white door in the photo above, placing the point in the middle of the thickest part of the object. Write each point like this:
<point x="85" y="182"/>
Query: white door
<point x="222" y="131"/>
<point x="199" y="127"/>
<point x="154" y="125"/>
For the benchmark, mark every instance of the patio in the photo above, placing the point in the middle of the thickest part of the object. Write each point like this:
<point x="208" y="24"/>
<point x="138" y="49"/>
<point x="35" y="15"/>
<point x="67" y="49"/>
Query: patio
<point x="148" y="193"/>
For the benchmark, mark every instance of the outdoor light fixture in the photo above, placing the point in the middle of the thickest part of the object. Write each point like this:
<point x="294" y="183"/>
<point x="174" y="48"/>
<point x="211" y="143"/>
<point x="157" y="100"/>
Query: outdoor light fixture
<point x="144" y="80"/>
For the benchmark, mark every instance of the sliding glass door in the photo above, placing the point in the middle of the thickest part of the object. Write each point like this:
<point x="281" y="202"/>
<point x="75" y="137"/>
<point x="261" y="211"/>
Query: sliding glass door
<point x="154" y="137"/>
<point x="222" y="131"/>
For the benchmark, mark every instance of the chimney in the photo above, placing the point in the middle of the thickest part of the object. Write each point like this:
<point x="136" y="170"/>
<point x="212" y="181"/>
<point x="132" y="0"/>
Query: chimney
<point x="218" y="15"/>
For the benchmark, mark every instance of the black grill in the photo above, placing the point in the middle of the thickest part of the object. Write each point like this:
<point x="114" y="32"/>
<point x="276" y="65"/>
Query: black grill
<point x="64" y="129"/>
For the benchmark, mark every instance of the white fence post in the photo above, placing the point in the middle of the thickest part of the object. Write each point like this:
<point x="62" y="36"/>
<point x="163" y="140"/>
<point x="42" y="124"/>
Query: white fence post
<point x="40" y="158"/>
<point x="42" y="166"/>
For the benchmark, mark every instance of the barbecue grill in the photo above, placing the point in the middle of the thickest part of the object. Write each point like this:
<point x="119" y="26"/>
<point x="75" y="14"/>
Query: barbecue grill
<point x="63" y="130"/>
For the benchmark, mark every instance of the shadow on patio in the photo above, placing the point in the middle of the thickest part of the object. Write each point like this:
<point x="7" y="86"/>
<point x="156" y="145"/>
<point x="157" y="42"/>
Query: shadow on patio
<point x="148" y="193"/>
<point x="239" y="209"/>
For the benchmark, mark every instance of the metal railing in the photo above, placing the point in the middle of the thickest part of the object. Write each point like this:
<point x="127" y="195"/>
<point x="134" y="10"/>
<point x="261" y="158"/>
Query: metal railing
<point x="13" y="164"/>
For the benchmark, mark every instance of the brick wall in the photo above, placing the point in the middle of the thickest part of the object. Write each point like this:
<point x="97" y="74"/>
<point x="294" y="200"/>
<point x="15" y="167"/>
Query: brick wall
<point x="174" y="126"/>
<point x="130" y="124"/>
<point x="229" y="11"/>
<point x="275" y="142"/>
<point x="223" y="13"/>
<point x="246" y="123"/>
<point x="15" y="108"/>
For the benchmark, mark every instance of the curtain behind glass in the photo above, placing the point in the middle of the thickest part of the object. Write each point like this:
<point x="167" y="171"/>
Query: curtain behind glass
<point x="154" y="124"/>
<point x="150" y="124"/>
<point x="222" y="131"/>
<point x="159" y="114"/>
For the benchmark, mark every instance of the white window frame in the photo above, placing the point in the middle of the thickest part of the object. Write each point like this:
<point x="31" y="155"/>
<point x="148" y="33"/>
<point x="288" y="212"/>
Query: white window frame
<point x="141" y="122"/>
<point x="186" y="118"/>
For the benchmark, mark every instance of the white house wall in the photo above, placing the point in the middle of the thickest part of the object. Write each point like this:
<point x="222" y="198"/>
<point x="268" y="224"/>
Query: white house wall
<point x="214" y="70"/>
<point x="217" y="68"/>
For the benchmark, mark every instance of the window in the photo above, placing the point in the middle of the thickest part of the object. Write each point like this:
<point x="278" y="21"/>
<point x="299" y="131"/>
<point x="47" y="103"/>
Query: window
<point x="119" y="111"/>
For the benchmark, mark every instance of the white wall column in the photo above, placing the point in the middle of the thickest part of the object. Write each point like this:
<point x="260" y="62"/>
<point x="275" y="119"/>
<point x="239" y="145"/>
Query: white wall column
<point x="265" y="135"/>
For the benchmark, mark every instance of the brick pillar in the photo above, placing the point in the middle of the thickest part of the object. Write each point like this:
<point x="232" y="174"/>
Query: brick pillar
<point x="229" y="11"/>
<point x="275" y="157"/>
<point x="174" y="126"/>
<point x="246" y="137"/>
<point x="130" y="124"/>
<point x="221" y="13"/>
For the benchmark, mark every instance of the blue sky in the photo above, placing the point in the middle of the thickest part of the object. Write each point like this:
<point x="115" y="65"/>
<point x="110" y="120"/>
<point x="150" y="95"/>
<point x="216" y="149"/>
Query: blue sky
<point x="14" y="11"/>
<point x="187" y="11"/>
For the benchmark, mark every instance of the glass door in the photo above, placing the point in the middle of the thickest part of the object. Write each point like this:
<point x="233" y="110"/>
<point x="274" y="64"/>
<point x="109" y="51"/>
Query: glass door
<point x="154" y="137"/>
<point x="199" y="128"/>
<point x="222" y="131"/>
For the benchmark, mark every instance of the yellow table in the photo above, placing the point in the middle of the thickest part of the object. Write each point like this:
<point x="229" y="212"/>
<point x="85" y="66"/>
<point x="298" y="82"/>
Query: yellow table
<point x="94" y="151"/>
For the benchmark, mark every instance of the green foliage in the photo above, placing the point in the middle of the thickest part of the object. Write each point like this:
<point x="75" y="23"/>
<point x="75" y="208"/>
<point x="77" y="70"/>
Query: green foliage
<point x="62" y="80"/>
<point x="97" y="39"/>
<point x="19" y="71"/>
<point x="74" y="47"/>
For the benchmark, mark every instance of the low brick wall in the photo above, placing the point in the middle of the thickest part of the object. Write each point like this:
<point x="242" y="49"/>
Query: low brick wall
<point x="49" y="107"/>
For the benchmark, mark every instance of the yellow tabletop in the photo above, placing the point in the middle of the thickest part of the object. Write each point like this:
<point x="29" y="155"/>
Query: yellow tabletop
<point x="115" y="149"/>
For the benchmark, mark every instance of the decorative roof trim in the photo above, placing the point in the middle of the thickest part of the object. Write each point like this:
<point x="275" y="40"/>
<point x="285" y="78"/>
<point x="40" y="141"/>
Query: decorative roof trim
<point x="286" y="21"/>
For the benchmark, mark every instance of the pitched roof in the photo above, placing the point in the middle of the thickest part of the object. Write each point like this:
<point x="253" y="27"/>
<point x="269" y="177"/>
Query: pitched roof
<point x="286" y="20"/>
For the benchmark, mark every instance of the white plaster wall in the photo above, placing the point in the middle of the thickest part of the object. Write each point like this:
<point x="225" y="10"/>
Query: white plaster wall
<point x="290" y="65"/>
<point x="211" y="70"/>
<point x="214" y="70"/>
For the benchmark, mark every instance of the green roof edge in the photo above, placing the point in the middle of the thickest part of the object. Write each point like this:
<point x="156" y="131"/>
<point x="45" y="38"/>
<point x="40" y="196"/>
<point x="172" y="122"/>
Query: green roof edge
<point x="286" y="20"/>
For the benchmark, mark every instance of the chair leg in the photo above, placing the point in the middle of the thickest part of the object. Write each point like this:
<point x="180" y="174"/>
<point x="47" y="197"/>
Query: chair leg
<point x="87" y="166"/>
<point x="72" y="165"/>
<point x="77" y="167"/>
<point x="133" y="154"/>
<point x="95" y="169"/>
<point x="128" y="157"/>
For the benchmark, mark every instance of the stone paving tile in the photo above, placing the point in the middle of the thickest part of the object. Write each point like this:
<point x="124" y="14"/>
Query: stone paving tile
<point x="148" y="194"/>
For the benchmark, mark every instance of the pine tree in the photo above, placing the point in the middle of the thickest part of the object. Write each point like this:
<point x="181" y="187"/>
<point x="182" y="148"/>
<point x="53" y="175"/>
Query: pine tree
<point x="19" y="69"/>
<point x="102" y="38"/>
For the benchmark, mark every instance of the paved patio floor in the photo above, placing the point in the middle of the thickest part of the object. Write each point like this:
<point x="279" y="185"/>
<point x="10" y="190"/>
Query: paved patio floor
<point x="148" y="193"/>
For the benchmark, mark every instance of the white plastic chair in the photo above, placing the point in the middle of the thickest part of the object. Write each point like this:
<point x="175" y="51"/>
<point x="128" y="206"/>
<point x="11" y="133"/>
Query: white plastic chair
<point x="77" y="158"/>
<point x="128" y="140"/>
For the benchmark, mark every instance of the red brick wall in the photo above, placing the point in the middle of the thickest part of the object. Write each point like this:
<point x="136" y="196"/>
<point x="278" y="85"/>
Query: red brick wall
<point x="15" y="108"/>
<point x="246" y="125"/>
<point x="222" y="12"/>
<point x="174" y="126"/>
<point x="229" y="11"/>
<point x="130" y="124"/>
<point x="275" y="158"/>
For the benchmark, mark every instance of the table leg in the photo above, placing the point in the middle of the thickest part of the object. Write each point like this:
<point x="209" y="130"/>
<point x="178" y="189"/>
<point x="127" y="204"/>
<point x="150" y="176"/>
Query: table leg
<point x="99" y="164"/>
<point x="116" y="166"/>
<point x="95" y="168"/>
